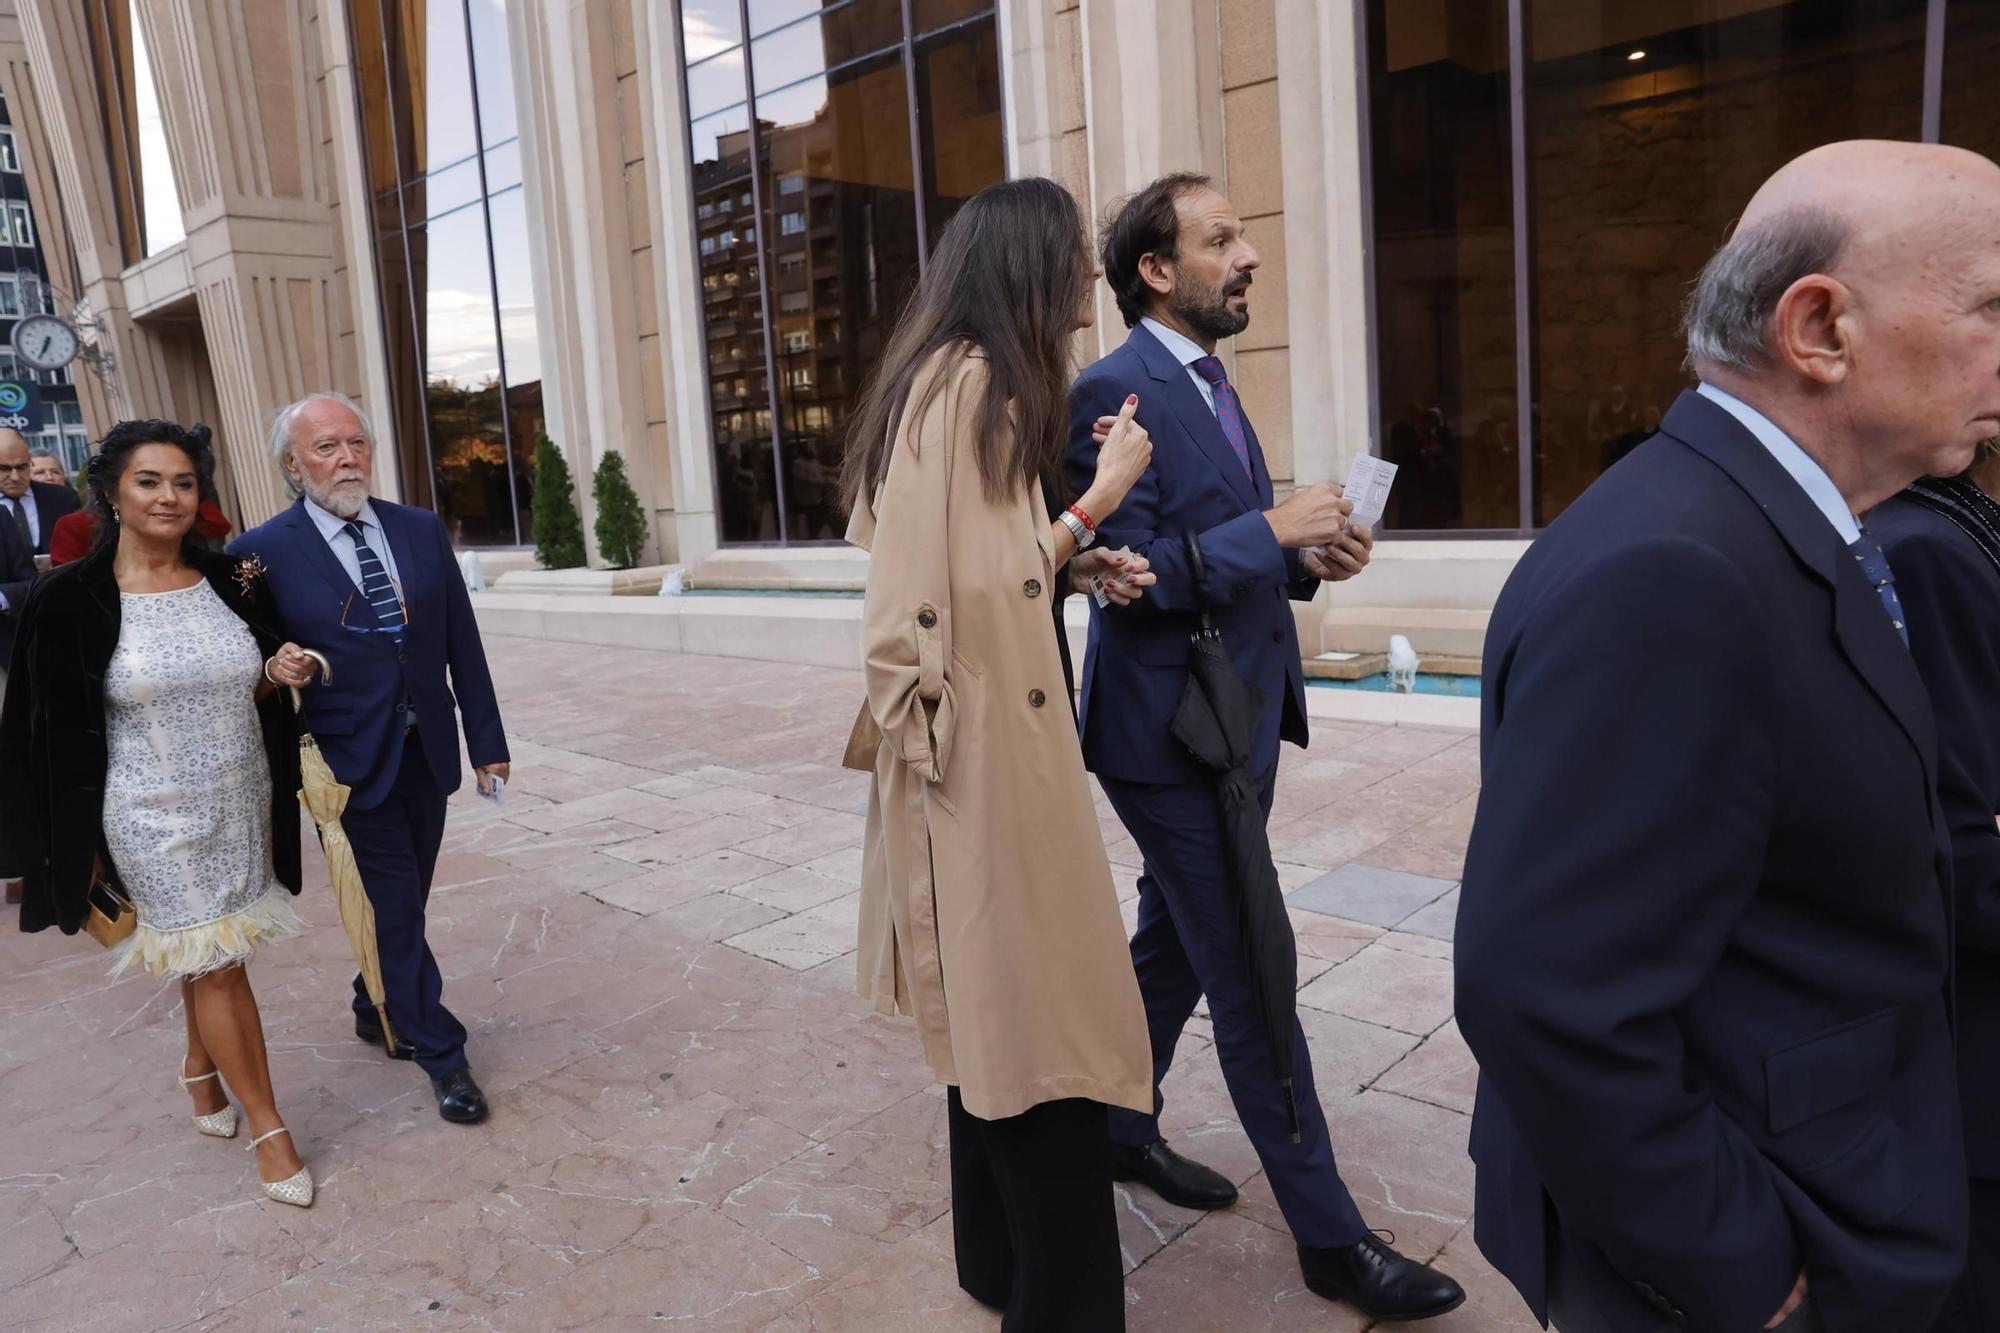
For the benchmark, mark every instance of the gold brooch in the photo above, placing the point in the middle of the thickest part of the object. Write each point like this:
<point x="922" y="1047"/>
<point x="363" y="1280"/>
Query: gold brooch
<point x="248" y="572"/>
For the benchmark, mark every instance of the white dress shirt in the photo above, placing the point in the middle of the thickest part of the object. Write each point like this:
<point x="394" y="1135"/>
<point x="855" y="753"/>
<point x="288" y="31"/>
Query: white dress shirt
<point x="1187" y="351"/>
<point x="333" y="528"/>
<point x="26" y="504"/>
<point x="1810" y="476"/>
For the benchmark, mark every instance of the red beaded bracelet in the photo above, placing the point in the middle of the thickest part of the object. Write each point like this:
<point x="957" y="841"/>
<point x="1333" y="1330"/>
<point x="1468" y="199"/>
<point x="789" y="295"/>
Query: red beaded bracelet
<point x="1083" y="518"/>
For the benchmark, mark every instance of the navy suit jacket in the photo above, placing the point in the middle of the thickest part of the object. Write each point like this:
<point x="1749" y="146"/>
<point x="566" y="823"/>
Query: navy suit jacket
<point x="1951" y="596"/>
<point x="1136" y="664"/>
<point x="17" y="576"/>
<point x="1703" y="944"/>
<point x="51" y="503"/>
<point x="358" y="718"/>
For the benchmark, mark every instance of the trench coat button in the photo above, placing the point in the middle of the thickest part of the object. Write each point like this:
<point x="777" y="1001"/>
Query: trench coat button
<point x="402" y="708"/>
<point x="1036" y="698"/>
<point x="927" y="618"/>
<point x="1033" y="587"/>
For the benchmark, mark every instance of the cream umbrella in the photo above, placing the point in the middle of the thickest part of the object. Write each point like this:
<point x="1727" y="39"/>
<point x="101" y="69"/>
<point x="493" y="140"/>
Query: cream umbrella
<point x="325" y="799"/>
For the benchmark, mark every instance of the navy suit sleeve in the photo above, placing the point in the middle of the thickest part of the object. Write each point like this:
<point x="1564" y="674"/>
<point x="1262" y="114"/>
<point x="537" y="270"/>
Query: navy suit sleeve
<point x="478" y="708"/>
<point x="1617" y="842"/>
<point x="1241" y="556"/>
<point x="1951" y="602"/>
<point x="17" y="571"/>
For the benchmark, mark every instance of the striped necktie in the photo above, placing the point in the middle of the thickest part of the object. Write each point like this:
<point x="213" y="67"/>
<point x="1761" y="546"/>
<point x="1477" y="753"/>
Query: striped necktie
<point x="375" y="584"/>
<point x="1875" y="568"/>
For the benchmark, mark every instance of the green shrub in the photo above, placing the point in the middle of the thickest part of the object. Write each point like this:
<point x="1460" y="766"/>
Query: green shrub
<point x="558" y="530"/>
<point x="621" y="521"/>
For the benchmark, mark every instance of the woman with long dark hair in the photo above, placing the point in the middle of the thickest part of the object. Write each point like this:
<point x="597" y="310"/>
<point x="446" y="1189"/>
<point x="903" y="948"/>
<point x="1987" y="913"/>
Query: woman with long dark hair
<point x="149" y="767"/>
<point x="1942" y="538"/>
<point x="988" y="911"/>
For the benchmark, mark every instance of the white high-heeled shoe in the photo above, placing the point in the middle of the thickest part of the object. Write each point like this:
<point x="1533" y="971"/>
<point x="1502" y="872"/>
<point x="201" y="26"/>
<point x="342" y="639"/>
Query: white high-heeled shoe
<point x="296" y="1190"/>
<point x="219" y="1125"/>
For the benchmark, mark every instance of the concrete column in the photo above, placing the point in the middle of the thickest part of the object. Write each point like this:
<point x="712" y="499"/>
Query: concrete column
<point x="31" y="134"/>
<point x="1152" y="91"/>
<point x="1327" y="264"/>
<point x="683" y="349"/>
<point x="586" y="290"/>
<point x="240" y="99"/>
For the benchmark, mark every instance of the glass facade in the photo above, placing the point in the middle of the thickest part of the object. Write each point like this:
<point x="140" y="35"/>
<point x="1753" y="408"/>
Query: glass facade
<point x="452" y="249"/>
<point x="1539" y="237"/>
<point x="830" y="143"/>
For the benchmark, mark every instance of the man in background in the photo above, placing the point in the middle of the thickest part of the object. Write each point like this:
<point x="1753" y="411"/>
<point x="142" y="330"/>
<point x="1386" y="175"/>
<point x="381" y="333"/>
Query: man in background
<point x="30" y="507"/>
<point x="375" y="587"/>
<point x="47" y="469"/>
<point x="1704" y="936"/>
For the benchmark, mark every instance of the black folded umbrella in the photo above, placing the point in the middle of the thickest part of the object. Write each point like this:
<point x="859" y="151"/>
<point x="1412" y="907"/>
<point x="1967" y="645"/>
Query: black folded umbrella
<point x="1217" y="721"/>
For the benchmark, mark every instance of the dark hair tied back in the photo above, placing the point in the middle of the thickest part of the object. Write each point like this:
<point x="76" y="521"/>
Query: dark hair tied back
<point x="114" y="455"/>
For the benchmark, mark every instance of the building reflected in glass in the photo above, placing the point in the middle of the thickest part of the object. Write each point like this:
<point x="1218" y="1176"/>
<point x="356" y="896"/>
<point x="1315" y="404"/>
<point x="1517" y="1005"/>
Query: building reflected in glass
<point x="444" y="160"/>
<point x="813" y="221"/>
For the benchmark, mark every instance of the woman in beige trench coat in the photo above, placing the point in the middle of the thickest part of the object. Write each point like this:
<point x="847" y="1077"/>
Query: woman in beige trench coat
<point x="987" y="907"/>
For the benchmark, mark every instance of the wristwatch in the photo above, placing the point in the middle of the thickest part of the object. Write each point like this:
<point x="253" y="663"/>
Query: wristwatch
<point x="1077" y="529"/>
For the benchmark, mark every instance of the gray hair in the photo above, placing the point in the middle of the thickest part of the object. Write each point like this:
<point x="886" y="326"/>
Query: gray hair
<point x="1740" y="286"/>
<point x="280" y="442"/>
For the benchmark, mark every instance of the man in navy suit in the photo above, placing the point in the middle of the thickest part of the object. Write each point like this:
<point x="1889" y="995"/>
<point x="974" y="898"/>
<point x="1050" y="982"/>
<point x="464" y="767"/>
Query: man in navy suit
<point x="28" y="506"/>
<point x="17" y="575"/>
<point x="1181" y="268"/>
<point x="375" y="587"/>
<point x="1704" y="940"/>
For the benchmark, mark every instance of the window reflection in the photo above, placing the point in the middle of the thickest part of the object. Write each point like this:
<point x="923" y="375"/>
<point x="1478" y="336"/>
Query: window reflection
<point x="1444" y="264"/>
<point x="159" y="193"/>
<point x="708" y="26"/>
<point x="445" y="113"/>
<point x="464" y="359"/>
<point x="840" y="246"/>
<point x="1637" y="169"/>
<point x="493" y="72"/>
<point x="959" y="105"/>
<point x="1970" y="110"/>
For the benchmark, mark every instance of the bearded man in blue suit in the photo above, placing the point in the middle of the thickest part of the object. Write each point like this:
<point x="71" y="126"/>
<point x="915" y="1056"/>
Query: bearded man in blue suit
<point x="374" y="587"/>
<point x="1181" y="268"/>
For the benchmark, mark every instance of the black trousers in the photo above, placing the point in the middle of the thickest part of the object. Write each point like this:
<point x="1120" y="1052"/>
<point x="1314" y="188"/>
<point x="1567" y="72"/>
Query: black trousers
<point x="1032" y="1217"/>
<point x="1975" y="1306"/>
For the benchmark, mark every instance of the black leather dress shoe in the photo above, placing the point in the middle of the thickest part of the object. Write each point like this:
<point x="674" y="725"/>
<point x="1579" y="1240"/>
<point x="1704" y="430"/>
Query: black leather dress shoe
<point x="459" y="1098"/>
<point x="1379" y="1282"/>
<point x="1183" y="1183"/>
<point x="369" y="1029"/>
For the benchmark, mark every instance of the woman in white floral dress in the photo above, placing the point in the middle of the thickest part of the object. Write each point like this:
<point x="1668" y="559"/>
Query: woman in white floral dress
<point x="146" y="738"/>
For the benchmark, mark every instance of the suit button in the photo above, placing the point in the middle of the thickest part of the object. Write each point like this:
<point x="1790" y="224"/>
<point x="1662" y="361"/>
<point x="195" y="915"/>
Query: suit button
<point x="1033" y="587"/>
<point x="927" y="618"/>
<point x="1036" y="698"/>
<point x="402" y="657"/>
<point x="402" y="708"/>
<point x="1277" y="636"/>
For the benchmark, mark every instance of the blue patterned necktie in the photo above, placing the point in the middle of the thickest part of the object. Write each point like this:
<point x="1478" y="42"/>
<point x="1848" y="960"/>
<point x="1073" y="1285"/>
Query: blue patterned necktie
<point x="375" y="584"/>
<point x="1875" y="568"/>
<point x="1228" y="412"/>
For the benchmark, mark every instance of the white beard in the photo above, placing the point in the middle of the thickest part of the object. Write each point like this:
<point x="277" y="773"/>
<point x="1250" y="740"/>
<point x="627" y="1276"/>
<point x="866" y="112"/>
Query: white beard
<point x="343" y="504"/>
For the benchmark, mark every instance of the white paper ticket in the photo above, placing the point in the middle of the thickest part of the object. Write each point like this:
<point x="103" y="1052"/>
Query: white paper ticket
<point x="1368" y="483"/>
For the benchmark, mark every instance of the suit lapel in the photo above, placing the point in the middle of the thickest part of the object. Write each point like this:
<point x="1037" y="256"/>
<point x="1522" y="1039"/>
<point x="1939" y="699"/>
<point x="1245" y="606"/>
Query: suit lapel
<point x="391" y="522"/>
<point x="1194" y="415"/>
<point x="1262" y="480"/>
<point x="1867" y="639"/>
<point x="306" y="533"/>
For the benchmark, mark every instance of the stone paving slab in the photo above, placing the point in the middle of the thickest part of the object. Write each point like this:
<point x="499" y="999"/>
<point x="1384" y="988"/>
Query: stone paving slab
<point x="696" y="1122"/>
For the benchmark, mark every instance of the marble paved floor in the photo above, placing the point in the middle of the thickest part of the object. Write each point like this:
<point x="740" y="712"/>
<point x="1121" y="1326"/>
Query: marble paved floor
<point x="696" y="1123"/>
